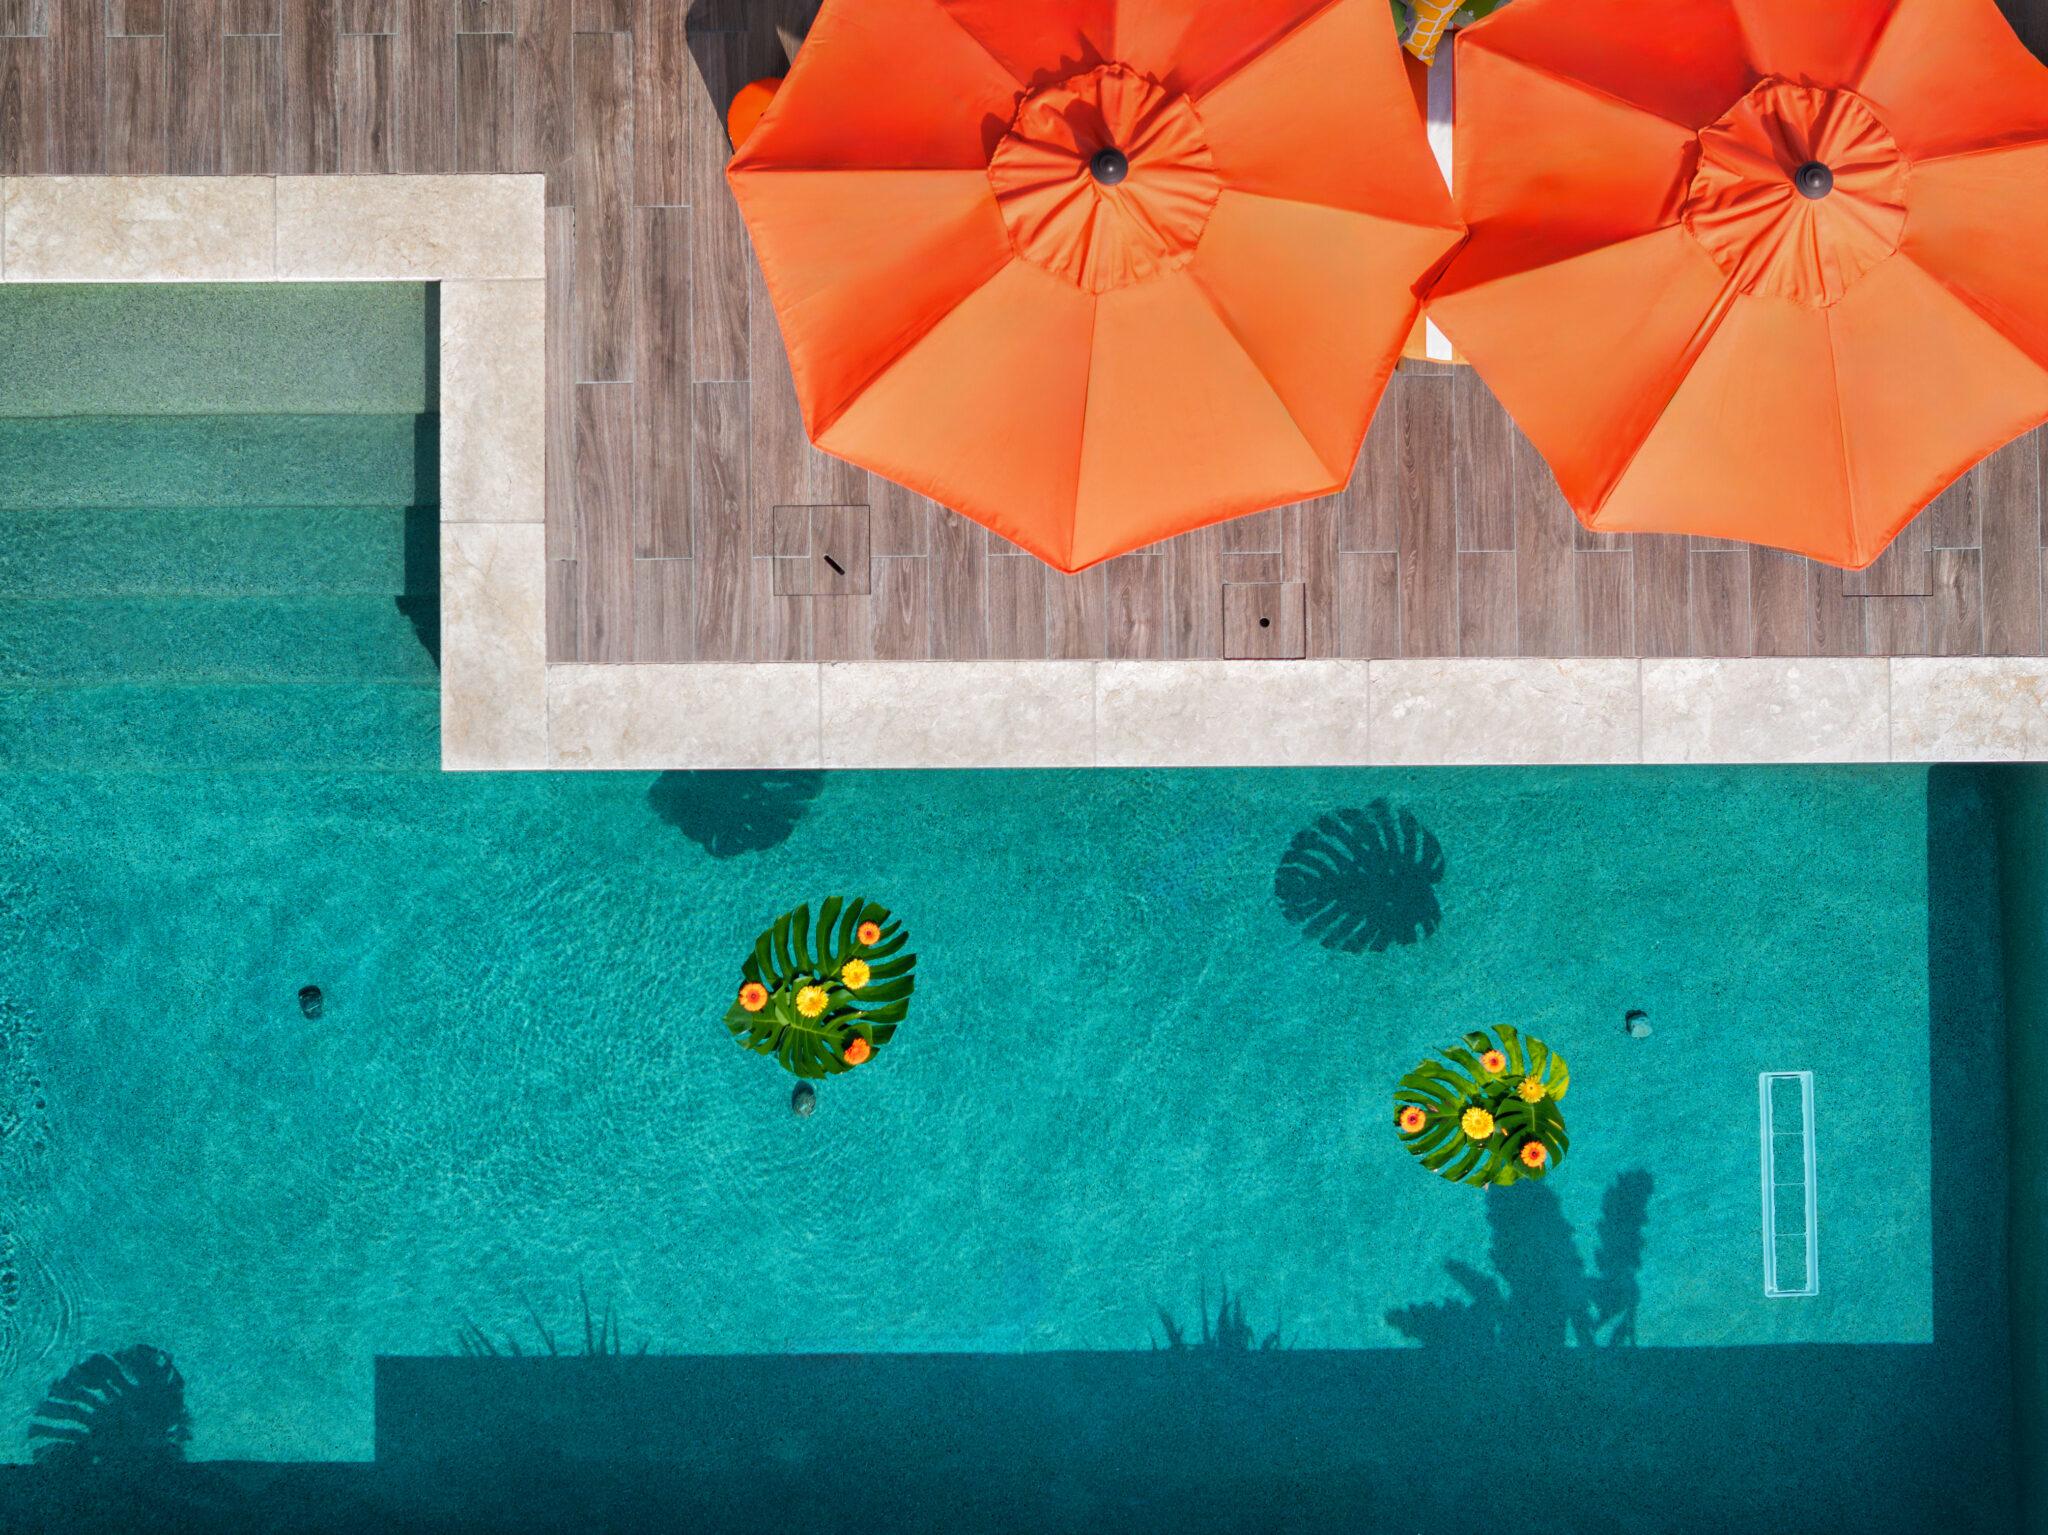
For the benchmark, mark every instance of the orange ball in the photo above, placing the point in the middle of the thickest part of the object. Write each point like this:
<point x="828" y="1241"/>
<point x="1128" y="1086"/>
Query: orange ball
<point x="747" y="107"/>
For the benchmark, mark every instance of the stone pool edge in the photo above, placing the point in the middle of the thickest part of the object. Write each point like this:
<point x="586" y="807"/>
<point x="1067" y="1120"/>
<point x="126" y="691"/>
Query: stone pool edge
<point x="505" y="708"/>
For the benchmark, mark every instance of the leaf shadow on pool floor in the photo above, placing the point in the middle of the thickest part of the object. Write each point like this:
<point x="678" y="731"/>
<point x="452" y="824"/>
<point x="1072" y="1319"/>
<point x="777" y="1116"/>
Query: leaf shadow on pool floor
<point x="1362" y="881"/>
<point x="728" y="814"/>
<point x="1540" y="1294"/>
<point x="120" y="1412"/>
<point x="1227" y="1332"/>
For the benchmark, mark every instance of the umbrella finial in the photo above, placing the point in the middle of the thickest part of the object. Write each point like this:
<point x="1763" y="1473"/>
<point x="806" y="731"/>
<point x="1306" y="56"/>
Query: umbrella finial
<point x="1109" y="166"/>
<point x="1814" y="180"/>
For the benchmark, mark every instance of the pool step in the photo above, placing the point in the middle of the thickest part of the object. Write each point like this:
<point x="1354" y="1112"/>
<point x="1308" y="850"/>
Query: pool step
<point x="47" y="463"/>
<point x="197" y="348"/>
<point x="259" y="551"/>
<point x="233" y="639"/>
<point x="156" y="727"/>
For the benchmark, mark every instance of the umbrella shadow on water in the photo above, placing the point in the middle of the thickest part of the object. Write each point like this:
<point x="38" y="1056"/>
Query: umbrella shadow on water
<point x="1362" y="880"/>
<point x="1540" y="1294"/>
<point x="728" y="814"/>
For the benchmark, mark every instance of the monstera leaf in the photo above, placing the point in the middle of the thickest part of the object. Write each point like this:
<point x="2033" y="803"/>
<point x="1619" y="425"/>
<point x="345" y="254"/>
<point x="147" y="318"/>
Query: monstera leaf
<point x="1515" y="1082"/>
<point x="812" y="988"/>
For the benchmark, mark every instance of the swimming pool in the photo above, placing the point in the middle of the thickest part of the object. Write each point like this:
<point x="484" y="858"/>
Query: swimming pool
<point x="1130" y="1077"/>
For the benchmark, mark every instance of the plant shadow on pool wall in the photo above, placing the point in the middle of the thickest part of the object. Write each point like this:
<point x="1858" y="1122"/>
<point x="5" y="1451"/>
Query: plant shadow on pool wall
<point x="728" y="814"/>
<point x="1543" y="1298"/>
<point x="1362" y="880"/>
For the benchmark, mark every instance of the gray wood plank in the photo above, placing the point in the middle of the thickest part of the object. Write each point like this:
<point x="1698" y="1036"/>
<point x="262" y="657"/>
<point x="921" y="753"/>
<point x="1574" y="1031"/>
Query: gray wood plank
<point x="2009" y="502"/>
<point x="78" y="71"/>
<point x="843" y="628"/>
<point x="487" y="17"/>
<point x="1484" y="465"/>
<point x="1193" y="621"/>
<point x="138" y="106"/>
<point x="959" y="586"/>
<point x="1372" y="501"/>
<point x="1546" y="585"/>
<point x="312" y="131"/>
<point x="1134" y="604"/>
<point x="197" y="83"/>
<point x="1016" y="609"/>
<point x="563" y="539"/>
<point x="24" y="18"/>
<point x="1369" y="605"/>
<point x="1260" y="533"/>
<point x="486" y="103"/>
<point x="1429" y="521"/>
<point x="664" y="599"/>
<point x="252" y="104"/>
<point x="1838" y="624"/>
<point x="368" y="17"/>
<point x="1487" y="620"/>
<point x="1897" y="625"/>
<point x="1955" y="606"/>
<point x="603" y="180"/>
<point x="253" y="18"/>
<point x="1319" y="529"/>
<point x="661" y="373"/>
<point x="661" y="108"/>
<point x="604" y="518"/>
<point x="564" y="611"/>
<point x="1720" y="602"/>
<point x="1077" y="615"/>
<point x="720" y="340"/>
<point x="900" y="630"/>
<point x="545" y="111"/>
<point x="832" y="557"/>
<point x="365" y="102"/>
<point x="1952" y="521"/>
<point x="720" y="498"/>
<point x="902" y="519"/>
<point x="136" y="18"/>
<point x="1606" y="608"/>
<point x="1781" y="604"/>
<point x="428" y="96"/>
<point x="25" y="148"/>
<point x="604" y="15"/>
<point x="1663" y="595"/>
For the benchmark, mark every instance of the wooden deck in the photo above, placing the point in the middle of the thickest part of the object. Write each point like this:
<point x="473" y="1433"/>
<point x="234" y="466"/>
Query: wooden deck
<point x="688" y="519"/>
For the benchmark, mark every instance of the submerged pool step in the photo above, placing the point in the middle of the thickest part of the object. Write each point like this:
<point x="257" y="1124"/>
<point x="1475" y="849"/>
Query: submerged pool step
<point x="203" y="551"/>
<point x="222" y="461"/>
<point x="231" y="639"/>
<point x="157" y="727"/>
<point x="185" y="348"/>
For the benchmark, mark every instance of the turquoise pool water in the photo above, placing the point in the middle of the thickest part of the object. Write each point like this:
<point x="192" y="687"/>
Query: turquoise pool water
<point x="1129" y="1077"/>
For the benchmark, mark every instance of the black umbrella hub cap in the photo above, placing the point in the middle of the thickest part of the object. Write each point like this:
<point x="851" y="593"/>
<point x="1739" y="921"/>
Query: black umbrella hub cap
<point x="1105" y="178"/>
<point x="1800" y="191"/>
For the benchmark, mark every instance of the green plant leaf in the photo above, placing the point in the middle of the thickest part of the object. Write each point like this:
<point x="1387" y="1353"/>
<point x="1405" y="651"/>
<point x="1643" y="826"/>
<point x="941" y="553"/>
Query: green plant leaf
<point x="797" y="951"/>
<point x="1445" y="1088"/>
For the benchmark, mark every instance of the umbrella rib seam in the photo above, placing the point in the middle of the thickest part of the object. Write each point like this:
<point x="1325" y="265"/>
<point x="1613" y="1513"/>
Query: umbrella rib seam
<point x="947" y="12"/>
<point x="1301" y="24"/>
<point x="1586" y="87"/>
<point x="1842" y="434"/>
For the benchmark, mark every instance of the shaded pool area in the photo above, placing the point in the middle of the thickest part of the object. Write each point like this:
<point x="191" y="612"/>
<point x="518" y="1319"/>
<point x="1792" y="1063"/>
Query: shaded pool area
<point x="1116" y="1234"/>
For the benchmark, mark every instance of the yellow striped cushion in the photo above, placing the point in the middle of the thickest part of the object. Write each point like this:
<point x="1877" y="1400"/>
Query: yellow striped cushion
<point x="1432" y="21"/>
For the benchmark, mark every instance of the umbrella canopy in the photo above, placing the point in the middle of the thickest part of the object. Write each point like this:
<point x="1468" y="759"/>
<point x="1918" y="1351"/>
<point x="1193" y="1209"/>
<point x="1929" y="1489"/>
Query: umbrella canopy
<point x="1756" y="269"/>
<point x="1096" y="272"/>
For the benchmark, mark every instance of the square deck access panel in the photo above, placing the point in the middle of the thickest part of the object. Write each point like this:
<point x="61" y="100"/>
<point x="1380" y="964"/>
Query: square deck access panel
<point x="822" y="551"/>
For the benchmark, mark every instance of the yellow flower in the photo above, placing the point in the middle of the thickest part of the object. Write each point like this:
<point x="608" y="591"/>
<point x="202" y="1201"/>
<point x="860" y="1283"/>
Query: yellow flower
<point x="812" y="1000"/>
<point x="1532" y="1091"/>
<point x="855" y="973"/>
<point x="1477" y="1123"/>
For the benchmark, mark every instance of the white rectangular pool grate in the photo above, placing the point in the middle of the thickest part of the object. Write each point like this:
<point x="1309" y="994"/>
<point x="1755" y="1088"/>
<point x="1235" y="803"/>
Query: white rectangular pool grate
<point x="1791" y="1198"/>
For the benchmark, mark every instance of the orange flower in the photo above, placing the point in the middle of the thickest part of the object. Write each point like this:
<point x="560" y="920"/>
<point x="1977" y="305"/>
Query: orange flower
<point x="753" y="996"/>
<point x="868" y="932"/>
<point x="1494" y="1061"/>
<point x="1534" y="1155"/>
<point x="857" y="1050"/>
<point x="1412" y="1119"/>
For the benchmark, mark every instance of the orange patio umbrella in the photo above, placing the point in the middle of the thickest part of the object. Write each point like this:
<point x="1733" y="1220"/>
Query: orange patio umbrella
<point x="1758" y="269"/>
<point x="1095" y="272"/>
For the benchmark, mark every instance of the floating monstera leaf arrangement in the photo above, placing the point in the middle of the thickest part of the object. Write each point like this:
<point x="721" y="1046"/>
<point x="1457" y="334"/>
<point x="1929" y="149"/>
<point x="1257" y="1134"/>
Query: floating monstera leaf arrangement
<point x="824" y="996"/>
<point x="1489" y="1111"/>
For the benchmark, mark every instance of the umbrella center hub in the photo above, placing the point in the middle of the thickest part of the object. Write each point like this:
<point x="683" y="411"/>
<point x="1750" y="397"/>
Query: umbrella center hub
<point x="1801" y="190"/>
<point x="1105" y="179"/>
